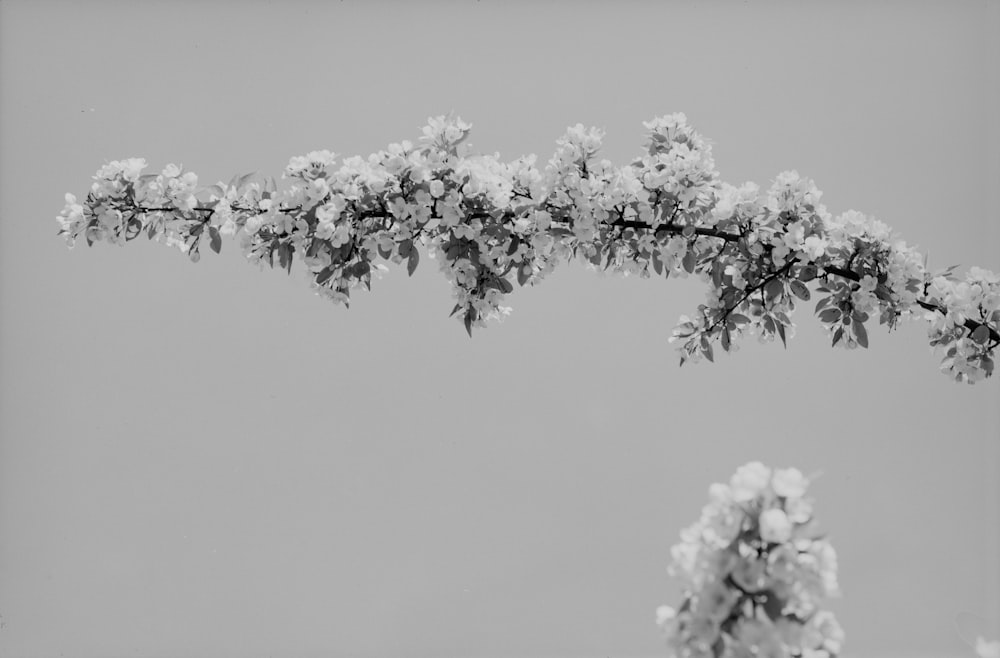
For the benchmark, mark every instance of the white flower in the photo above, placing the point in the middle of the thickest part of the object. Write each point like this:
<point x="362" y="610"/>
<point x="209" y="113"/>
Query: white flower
<point x="789" y="483"/>
<point x="775" y="527"/>
<point x="749" y="480"/>
<point x="664" y="614"/>
<point x="986" y="649"/>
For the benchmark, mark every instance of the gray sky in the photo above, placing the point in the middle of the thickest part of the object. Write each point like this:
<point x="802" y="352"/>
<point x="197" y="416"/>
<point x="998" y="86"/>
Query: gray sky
<point x="208" y="460"/>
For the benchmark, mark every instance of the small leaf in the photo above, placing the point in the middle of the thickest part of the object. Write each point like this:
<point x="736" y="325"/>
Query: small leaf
<point x="324" y="275"/>
<point x="215" y="239"/>
<point x="285" y="256"/>
<point x="468" y="322"/>
<point x="506" y="286"/>
<point x="243" y="180"/>
<point x="807" y="273"/>
<point x="688" y="262"/>
<point x="781" y="333"/>
<point x="773" y="605"/>
<point x="981" y="334"/>
<point x="706" y="349"/>
<point x="837" y="335"/>
<point x="860" y="333"/>
<point x="657" y="263"/>
<point x="774" y="288"/>
<point x="800" y="290"/>
<point x="725" y="339"/>
<point x="362" y="268"/>
<point x="830" y="315"/>
<point x="413" y="261"/>
<point x="515" y="242"/>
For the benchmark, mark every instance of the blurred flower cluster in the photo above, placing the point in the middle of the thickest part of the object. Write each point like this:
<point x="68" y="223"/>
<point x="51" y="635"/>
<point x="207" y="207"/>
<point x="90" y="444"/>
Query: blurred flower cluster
<point x="755" y="574"/>
<point x="491" y="224"/>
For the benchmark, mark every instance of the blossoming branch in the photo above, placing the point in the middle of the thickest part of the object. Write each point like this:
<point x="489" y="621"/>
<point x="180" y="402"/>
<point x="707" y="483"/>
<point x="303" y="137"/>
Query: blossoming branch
<point x="490" y="223"/>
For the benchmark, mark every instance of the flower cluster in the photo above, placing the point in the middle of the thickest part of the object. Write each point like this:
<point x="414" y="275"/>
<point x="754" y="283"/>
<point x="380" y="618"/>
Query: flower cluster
<point x="987" y="649"/>
<point x="490" y="224"/>
<point x="755" y="574"/>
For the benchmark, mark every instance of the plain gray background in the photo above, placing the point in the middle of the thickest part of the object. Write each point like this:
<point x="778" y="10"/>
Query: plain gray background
<point x="208" y="460"/>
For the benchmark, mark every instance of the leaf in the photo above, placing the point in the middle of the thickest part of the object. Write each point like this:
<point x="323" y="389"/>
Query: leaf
<point x="706" y="349"/>
<point x="688" y="262"/>
<point x="837" y="335"/>
<point x="523" y="274"/>
<point x="830" y="315"/>
<point x="773" y="605"/>
<point x="458" y="307"/>
<point x="781" y="333"/>
<point x="515" y="242"/>
<point x="981" y="334"/>
<point x="506" y="286"/>
<point x="774" y="288"/>
<point x="405" y="247"/>
<point x="800" y="290"/>
<point x="414" y="260"/>
<point x="243" y="180"/>
<point x="215" y="239"/>
<point x="362" y="268"/>
<point x="739" y="318"/>
<point x="725" y="339"/>
<point x="324" y="275"/>
<point x="133" y="229"/>
<point x="468" y="322"/>
<point x="657" y="263"/>
<point x="717" y="274"/>
<point x="285" y="256"/>
<point x="807" y="273"/>
<point x="860" y="333"/>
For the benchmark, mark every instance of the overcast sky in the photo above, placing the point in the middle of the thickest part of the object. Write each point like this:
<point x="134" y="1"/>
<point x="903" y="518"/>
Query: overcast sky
<point x="209" y="460"/>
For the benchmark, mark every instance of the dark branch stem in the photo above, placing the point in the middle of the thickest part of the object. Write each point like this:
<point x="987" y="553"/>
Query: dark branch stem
<point x="668" y="227"/>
